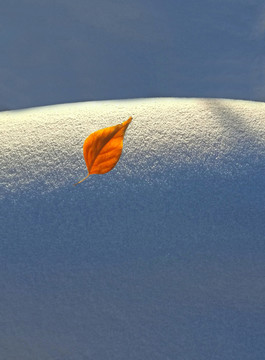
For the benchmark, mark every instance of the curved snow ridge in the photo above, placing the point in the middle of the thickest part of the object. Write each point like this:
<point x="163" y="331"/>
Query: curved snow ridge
<point x="42" y="147"/>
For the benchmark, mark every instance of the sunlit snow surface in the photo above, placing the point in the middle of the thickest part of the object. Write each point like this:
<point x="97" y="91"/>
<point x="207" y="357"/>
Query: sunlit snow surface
<point x="162" y="258"/>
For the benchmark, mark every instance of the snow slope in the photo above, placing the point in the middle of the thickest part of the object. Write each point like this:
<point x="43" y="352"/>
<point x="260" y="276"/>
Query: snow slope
<point x="162" y="258"/>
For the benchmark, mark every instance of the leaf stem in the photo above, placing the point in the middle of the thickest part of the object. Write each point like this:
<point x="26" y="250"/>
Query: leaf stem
<point x="79" y="182"/>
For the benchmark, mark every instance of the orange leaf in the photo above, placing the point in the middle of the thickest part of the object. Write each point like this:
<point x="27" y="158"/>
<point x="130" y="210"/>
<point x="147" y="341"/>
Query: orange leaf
<point x="102" y="149"/>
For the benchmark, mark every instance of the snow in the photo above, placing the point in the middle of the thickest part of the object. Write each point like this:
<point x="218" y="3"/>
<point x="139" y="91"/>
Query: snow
<point x="161" y="258"/>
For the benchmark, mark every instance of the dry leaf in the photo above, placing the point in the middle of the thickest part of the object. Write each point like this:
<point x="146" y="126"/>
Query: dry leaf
<point x="102" y="149"/>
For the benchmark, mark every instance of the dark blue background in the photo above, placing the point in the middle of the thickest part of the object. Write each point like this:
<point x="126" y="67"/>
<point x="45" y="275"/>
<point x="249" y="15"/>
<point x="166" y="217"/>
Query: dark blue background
<point x="58" y="51"/>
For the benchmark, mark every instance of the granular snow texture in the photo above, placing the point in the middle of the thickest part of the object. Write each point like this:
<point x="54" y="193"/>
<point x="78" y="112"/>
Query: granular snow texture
<point x="161" y="258"/>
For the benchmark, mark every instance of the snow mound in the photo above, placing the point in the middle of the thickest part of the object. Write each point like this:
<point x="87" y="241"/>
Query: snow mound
<point x="177" y="224"/>
<point x="186" y="164"/>
<point x="42" y="147"/>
